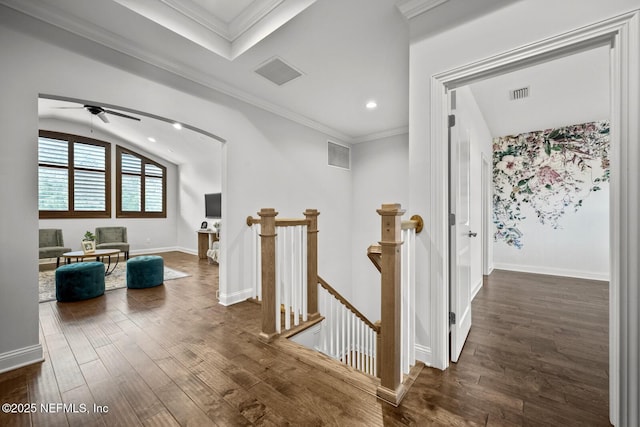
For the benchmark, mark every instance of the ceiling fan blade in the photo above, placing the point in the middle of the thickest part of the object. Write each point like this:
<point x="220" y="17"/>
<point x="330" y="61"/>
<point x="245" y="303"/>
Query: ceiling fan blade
<point x="115" y="113"/>
<point x="103" y="117"/>
<point x="67" y="108"/>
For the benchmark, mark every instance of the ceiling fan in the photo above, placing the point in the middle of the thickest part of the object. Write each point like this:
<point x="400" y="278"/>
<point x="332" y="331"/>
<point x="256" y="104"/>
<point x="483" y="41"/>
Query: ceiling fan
<point x="102" y="112"/>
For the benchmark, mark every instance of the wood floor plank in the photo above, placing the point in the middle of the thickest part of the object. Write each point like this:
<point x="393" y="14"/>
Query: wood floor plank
<point x="537" y="354"/>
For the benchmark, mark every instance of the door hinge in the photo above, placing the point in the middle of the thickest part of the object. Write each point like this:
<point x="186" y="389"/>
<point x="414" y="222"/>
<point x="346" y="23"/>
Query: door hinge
<point x="452" y="318"/>
<point x="452" y="219"/>
<point x="452" y="120"/>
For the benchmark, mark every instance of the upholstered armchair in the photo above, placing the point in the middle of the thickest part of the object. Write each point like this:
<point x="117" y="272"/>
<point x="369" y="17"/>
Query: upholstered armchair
<point x="51" y="244"/>
<point x="112" y="238"/>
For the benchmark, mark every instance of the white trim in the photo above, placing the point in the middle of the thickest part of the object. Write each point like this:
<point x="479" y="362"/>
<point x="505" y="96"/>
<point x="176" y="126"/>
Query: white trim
<point x="236" y="297"/>
<point x="623" y="34"/>
<point x="486" y="208"/>
<point x="127" y="47"/>
<point x="412" y="8"/>
<point x="424" y="354"/>
<point x="476" y="288"/>
<point x="21" y="357"/>
<point x="536" y="269"/>
<point x="403" y="130"/>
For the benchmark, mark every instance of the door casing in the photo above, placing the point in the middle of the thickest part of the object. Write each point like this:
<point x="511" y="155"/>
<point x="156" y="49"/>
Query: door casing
<point x="622" y="34"/>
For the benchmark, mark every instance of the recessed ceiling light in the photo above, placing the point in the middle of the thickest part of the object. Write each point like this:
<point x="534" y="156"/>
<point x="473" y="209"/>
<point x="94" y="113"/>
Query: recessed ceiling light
<point x="151" y="139"/>
<point x="371" y="105"/>
<point x="177" y="125"/>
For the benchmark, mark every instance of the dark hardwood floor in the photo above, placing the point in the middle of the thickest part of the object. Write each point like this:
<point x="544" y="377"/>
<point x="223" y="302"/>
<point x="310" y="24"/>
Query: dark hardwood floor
<point x="537" y="355"/>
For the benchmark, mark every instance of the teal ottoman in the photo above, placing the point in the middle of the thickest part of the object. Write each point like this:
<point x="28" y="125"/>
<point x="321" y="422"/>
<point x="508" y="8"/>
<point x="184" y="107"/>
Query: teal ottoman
<point x="79" y="281"/>
<point x="145" y="272"/>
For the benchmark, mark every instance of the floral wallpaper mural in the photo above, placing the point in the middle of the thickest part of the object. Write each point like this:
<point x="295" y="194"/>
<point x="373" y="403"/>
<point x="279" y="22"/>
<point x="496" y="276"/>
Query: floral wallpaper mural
<point x="551" y="171"/>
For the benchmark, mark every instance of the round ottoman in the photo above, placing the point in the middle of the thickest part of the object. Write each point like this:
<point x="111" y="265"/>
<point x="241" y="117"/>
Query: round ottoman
<point x="145" y="271"/>
<point x="79" y="281"/>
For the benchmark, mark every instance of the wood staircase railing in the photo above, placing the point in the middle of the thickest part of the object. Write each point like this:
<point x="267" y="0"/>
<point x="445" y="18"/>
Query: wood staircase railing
<point x="374" y="252"/>
<point x="348" y="335"/>
<point x="385" y="357"/>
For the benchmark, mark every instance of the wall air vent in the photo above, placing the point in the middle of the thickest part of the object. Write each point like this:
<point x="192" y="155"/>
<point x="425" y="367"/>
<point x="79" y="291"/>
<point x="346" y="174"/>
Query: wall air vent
<point x="521" y="93"/>
<point x="339" y="155"/>
<point x="277" y="71"/>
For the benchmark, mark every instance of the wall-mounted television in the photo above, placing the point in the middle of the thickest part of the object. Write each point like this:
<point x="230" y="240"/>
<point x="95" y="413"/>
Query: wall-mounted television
<point x="213" y="205"/>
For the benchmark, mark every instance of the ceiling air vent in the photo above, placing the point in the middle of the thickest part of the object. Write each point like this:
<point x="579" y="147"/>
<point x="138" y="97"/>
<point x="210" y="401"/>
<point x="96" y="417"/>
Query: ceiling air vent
<point x="278" y="71"/>
<point x="339" y="155"/>
<point x="521" y="93"/>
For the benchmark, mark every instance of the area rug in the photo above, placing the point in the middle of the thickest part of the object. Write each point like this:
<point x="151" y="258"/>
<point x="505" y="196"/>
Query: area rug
<point x="117" y="279"/>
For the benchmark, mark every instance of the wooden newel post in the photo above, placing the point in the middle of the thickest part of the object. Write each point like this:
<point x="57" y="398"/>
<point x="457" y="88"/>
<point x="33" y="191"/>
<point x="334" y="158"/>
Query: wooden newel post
<point x="312" y="263"/>
<point x="389" y="351"/>
<point x="268" y="254"/>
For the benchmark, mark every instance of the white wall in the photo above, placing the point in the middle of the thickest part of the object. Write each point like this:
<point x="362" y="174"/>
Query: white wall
<point x="469" y="116"/>
<point x="579" y="249"/>
<point x="143" y="234"/>
<point x="499" y="31"/>
<point x="268" y="162"/>
<point x="200" y="176"/>
<point x="380" y="175"/>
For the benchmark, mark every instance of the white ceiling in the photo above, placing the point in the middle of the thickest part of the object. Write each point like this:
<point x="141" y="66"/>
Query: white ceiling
<point x="178" y="146"/>
<point x="569" y="90"/>
<point x="349" y="52"/>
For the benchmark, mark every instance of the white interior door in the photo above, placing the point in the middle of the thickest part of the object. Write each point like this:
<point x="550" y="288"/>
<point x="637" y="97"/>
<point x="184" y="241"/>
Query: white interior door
<point x="460" y="236"/>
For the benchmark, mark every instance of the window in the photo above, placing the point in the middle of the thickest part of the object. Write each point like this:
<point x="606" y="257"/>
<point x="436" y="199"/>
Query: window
<point x="141" y="186"/>
<point x="73" y="176"/>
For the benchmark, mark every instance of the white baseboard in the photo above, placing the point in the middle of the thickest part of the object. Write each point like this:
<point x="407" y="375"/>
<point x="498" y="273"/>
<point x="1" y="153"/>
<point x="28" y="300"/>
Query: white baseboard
<point x="188" y="251"/>
<point x="475" y="289"/>
<point x="424" y="354"/>
<point x="22" y="357"/>
<point x="155" y="250"/>
<point x="236" y="297"/>
<point x="552" y="271"/>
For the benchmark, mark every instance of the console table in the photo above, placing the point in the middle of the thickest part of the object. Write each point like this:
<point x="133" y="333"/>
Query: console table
<point x="205" y="239"/>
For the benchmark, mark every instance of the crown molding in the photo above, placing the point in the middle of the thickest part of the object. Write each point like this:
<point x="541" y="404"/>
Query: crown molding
<point x="403" y="130"/>
<point x="412" y="8"/>
<point x="124" y="46"/>
<point x="226" y="39"/>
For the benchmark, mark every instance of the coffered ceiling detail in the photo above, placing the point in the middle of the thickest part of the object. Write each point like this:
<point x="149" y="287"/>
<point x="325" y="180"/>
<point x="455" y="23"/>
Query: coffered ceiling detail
<point x="225" y="27"/>
<point x="413" y="8"/>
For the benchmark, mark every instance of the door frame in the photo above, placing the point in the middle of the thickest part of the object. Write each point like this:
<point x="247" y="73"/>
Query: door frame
<point x="622" y="34"/>
<point x="485" y="206"/>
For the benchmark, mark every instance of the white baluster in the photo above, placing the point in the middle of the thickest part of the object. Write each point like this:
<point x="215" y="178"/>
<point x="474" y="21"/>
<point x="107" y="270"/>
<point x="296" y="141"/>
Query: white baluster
<point x="303" y="274"/>
<point x="295" y="291"/>
<point x="343" y="316"/>
<point x="412" y="297"/>
<point x="357" y="345"/>
<point x="403" y="303"/>
<point x="259" y="261"/>
<point x="372" y="343"/>
<point x="348" y="356"/>
<point x="331" y="308"/>
<point x="322" y="305"/>
<point x="374" y="357"/>
<point x="279" y="258"/>
<point x="336" y="316"/>
<point x="363" y="346"/>
<point x="365" y="351"/>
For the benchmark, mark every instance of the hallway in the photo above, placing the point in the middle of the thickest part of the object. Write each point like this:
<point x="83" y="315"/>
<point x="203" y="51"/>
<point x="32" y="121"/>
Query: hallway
<point x="537" y="354"/>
